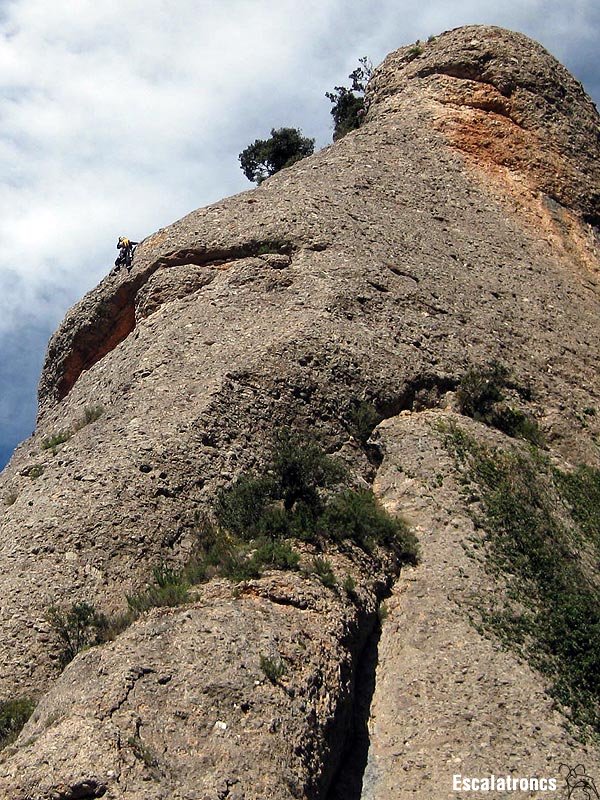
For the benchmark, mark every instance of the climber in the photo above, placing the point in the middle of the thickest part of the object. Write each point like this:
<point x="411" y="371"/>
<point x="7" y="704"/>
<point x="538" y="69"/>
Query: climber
<point x="126" y="250"/>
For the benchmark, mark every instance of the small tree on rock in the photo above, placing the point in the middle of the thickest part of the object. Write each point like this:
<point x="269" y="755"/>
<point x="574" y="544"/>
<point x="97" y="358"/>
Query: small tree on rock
<point x="349" y="104"/>
<point x="265" y="157"/>
<point x="76" y="628"/>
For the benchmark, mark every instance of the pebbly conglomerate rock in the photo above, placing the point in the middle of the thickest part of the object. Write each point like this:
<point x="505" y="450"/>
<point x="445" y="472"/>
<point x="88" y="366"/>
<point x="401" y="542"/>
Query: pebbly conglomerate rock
<point x="457" y="225"/>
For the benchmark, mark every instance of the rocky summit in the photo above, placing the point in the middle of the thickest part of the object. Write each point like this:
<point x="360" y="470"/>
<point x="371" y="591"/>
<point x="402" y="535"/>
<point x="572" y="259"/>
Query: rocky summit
<point x="369" y="295"/>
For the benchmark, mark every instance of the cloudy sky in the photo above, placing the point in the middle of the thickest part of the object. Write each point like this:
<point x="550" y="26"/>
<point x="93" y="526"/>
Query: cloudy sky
<point x="120" y="116"/>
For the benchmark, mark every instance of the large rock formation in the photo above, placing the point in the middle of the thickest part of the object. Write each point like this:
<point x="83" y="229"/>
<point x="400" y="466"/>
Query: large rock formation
<point x="457" y="225"/>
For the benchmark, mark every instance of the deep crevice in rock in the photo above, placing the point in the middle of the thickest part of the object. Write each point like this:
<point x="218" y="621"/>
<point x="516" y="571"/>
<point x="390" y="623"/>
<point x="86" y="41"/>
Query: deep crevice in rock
<point x="422" y="392"/>
<point x="347" y="781"/>
<point x="267" y="593"/>
<point x="88" y="790"/>
<point x="402" y="274"/>
<point x="593" y="219"/>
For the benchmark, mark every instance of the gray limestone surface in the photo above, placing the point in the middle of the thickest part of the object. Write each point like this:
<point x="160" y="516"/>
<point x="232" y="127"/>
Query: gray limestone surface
<point x="457" y="225"/>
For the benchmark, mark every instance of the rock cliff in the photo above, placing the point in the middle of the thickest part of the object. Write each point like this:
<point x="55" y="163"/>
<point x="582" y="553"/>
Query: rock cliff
<point x="458" y="225"/>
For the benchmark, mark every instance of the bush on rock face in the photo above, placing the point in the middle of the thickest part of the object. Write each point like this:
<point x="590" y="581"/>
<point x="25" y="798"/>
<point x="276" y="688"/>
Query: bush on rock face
<point x="75" y="628"/>
<point x="480" y="389"/>
<point x="272" y="668"/>
<point x="287" y="498"/>
<point x="481" y="396"/>
<point x="356" y="515"/>
<point x="265" y="157"/>
<point x="541" y="525"/>
<point x="302" y="496"/>
<point x="241" y="508"/>
<point x="348" y="103"/>
<point x="13" y="716"/>
<point x="169" y="588"/>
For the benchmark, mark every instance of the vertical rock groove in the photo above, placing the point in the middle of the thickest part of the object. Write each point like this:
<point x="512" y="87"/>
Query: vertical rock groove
<point x="347" y="783"/>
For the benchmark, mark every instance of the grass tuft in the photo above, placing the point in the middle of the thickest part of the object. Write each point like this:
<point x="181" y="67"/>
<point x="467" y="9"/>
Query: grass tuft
<point x="323" y="569"/>
<point x="13" y="716"/>
<point x="273" y="669"/>
<point x="481" y="396"/>
<point x="53" y="442"/>
<point x="551" y="610"/>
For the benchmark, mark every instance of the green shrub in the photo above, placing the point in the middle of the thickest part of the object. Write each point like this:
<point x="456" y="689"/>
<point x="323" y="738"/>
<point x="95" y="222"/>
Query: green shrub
<point x="241" y="561"/>
<point x="480" y="395"/>
<point x="92" y="413"/>
<point x="285" y="501"/>
<point x="348" y="103"/>
<point x="269" y="246"/>
<point x="275" y="522"/>
<point x="300" y="469"/>
<point x="304" y="521"/>
<point x="273" y="670"/>
<point x="223" y="550"/>
<point x="13" y="716"/>
<point x="323" y="569"/>
<point x="82" y="626"/>
<point x="346" y="111"/>
<point x="291" y="502"/>
<point x="35" y="471"/>
<point x="52" y="442"/>
<point x="580" y="490"/>
<point x="276" y="555"/>
<point x="241" y="569"/>
<point x="203" y="557"/>
<point x="553" y="611"/>
<point x="283" y="148"/>
<point x="349" y="585"/>
<point x="108" y="628"/>
<point x="76" y="628"/>
<point x="480" y="388"/>
<point x="415" y="51"/>
<point x="143" y="753"/>
<point x="197" y="570"/>
<point x="363" y="419"/>
<point x="356" y="515"/>
<point x="517" y="424"/>
<point x="219" y="552"/>
<point x="240" y="508"/>
<point x="10" y="498"/>
<point x="170" y="588"/>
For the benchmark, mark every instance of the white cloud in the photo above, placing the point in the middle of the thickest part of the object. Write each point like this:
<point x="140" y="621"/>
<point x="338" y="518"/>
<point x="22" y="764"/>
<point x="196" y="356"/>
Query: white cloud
<point x="120" y="116"/>
<point x="113" y="118"/>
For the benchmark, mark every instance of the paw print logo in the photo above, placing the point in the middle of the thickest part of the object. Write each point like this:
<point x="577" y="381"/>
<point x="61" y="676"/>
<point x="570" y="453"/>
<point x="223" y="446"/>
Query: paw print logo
<point x="579" y="785"/>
